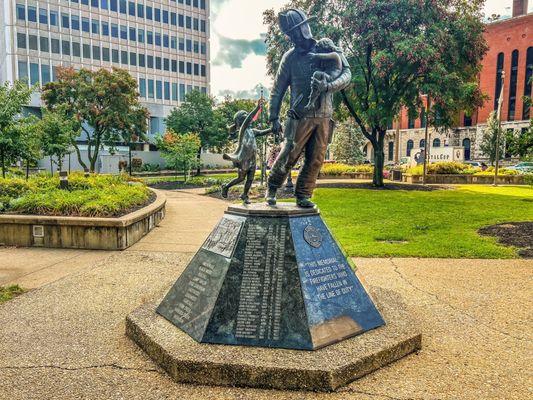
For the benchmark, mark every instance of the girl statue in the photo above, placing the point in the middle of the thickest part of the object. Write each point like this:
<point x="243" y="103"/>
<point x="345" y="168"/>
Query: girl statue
<point x="244" y="157"/>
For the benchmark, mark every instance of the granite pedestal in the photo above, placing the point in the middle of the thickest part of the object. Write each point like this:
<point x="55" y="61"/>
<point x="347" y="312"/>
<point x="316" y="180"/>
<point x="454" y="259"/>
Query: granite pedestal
<point x="272" y="277"/>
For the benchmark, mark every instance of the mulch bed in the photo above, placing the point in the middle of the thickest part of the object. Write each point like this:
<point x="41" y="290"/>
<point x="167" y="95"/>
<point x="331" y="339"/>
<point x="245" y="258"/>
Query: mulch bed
<point x="518" y="234"/>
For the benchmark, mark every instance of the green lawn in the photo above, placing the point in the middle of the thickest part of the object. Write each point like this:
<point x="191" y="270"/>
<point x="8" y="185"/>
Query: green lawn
<point x="441" y="223"/>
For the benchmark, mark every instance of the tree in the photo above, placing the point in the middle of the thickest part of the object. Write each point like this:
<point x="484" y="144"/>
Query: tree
<point x="179" y="151"/>
<point x="488" y="140"/>
<point x="395" y="59"/>
<point x="197" y="114"/>
<point x="133" y="129"/>
<point x="12" y="99"/>
<point x="102" y="101"/>
<point x="29" y="143"/>
<point x="58" y="131"/>
<point x="347" y="143"/>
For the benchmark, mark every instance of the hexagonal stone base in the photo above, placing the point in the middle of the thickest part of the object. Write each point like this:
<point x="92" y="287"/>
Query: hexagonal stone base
<point x="327" y="369"/>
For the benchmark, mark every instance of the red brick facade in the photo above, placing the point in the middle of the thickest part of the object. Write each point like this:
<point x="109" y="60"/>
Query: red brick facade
<point x="504" y="37"/>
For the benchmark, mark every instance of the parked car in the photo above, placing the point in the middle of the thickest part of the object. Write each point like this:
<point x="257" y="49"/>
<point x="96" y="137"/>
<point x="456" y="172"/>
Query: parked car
<point x="524" y="167"/>
<point x="477" y="164"/>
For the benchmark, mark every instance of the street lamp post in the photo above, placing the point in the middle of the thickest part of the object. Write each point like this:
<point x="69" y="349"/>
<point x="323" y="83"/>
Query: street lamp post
<point x="499" y="116"/>
<point x="426" y="139"/>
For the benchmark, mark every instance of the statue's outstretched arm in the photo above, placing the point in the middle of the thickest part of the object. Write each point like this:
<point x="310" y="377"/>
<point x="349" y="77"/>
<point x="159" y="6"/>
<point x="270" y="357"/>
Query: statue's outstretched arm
<point x="264" y="132"/>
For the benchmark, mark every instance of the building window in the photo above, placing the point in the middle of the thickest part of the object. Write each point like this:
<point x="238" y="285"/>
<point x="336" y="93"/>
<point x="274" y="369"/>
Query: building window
<point x="165" y="16"/>
<point x="44" y="44"/>
<point x="512" y="86"/>
<point x="181" y="42"/>
<point x="133" y="59"/>
<point x="175" y="92"/>
<point x="86" y="51"/>
<point x="150" y="61"/>
<point x="165" y="41"/>
<point x="189" y="68"/>
<point x="410" y="122"/>
<point x="131" y="8"/>
<point x="76" y="50"/>
<point x="166" y="64"/>
<point x="65" y="21"/>
<point x="32" y="17"/>
<point x="95" y="25"/>
<point x="149" y="13"/>
<point x="105" y="28"/>
<point x="75" y="22"/>
<point x="167" y="90"/>
<point x="174" y="42"/>
<point x="142" y="60"/>
<point x="159" y="90"/>
<point x="158" y="64"/>
<point x="140" y="10"/>
<point x="85" y="24"/>
<point x="203" y="70"/>
<point x="94" y="3"/>
<point x="123" y="32"/>
<point x="140" y="35"/>
<point x="499" y="70"/>
<point x="142" y="87"/>
<point x="96" y="52"/>
<point x="65" y="47"/>
<point x="54" y="45"/>
<point x="410" y="145"/>
<point x="203" y="26"/>
<point x="188" y="22"/>
<point x="391" y="151"/>
<point x="54" y="17"/>
<point x="32" y="42"/>
<point x="113" y="5"/>
<point x="173" y="18"/>
<point x="181" y="21"/>
<point x="466" y="145"/>
<point x="436" y="142"/>
<point x="157" y="15"/>
<point x="467" y="120"/>
<point x="196" y="69"/>
<point x="158" y="39"/>
<point x="133" y="34"/>
<point x="21" y="14"/>
<point x="34" y="74"/>
<point x="23" y="71"/>
<point x="527" y="85"/>
<point x="104" y="4"/>
<point x="45" y="74"/>
<point x="182" y="67"/>
<point x="195" y="24"/>
<point x="150" y="88"/>
<point x="114" y="30"/>
<point x="182" y="92"/>
<point x="105" y="54"/>
<point x="189" y="45"/>
<point x="124" y="57"/>
<point x="422" y="144"/>
<point x="43" y="16"/>
<point x="21" y="40"/>
<point x="123" y="7"/>
<point x="150" y="37"/>
<point x="114" y="56"/>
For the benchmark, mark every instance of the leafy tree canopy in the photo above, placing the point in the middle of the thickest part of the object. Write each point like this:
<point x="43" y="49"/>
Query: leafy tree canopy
<point x="398" y="50"/>
<point x="105" y="101"/>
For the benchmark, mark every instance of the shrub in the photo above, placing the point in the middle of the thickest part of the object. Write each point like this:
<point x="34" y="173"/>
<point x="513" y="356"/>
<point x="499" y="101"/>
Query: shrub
<point x="528" y="179"/>
<point x="335" y="169"/>
<point x="95" y="195"/>
<point x="442" y="168"/>
<point x="501" y="171"/>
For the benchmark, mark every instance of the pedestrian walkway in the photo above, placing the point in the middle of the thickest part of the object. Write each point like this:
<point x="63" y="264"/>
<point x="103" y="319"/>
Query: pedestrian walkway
<point x="65" y="340"/>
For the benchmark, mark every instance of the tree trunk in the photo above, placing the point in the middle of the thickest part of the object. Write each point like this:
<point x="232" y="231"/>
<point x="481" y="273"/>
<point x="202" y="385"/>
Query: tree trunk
<point x="379" y="161"/>
<point x="2" y="156"/>
<point x="27" y="168"/>
<point x="60" y="163"/>
<point x="199" y="155"/>
<point x="51" y="166"/>
<point x="129" y="157"/>
<point x="78" y="154"/>
<point x="184" y="172"/>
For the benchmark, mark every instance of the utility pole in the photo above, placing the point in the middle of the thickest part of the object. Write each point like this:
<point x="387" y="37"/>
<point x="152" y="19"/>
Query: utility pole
<point x="426" y="140"/>
<point x="499" y="116"/>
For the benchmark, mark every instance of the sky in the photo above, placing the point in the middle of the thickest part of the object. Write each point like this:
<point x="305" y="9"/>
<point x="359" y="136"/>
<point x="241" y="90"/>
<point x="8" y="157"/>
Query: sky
<point x="238" y="62"/>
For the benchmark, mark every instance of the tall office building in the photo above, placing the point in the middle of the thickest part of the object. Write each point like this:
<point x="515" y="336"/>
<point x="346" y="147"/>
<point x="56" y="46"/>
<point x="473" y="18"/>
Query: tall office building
<point x="164" y="44"/>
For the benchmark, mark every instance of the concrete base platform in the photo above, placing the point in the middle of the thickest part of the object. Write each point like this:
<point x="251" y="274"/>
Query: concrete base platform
<point x="327" y="369"/>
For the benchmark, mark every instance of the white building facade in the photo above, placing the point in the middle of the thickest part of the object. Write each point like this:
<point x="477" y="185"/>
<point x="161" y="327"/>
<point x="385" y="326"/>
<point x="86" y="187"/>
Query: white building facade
<point x="164" y="44"/>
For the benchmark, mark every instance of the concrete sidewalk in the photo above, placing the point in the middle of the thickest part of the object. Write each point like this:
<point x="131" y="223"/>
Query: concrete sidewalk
<point x="65" y="340"/>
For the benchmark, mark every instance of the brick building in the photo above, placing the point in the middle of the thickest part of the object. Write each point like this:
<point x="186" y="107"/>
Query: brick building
<point x="511" y="50"/>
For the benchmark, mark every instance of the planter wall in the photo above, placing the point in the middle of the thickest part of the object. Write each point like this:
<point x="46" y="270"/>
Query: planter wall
<point x="465" y="179"/>
<point x="81" y="232"/>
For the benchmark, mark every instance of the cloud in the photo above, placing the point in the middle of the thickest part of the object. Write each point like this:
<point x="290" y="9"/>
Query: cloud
<point x="232" y="52"/>
<point x="252" y="94"/>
